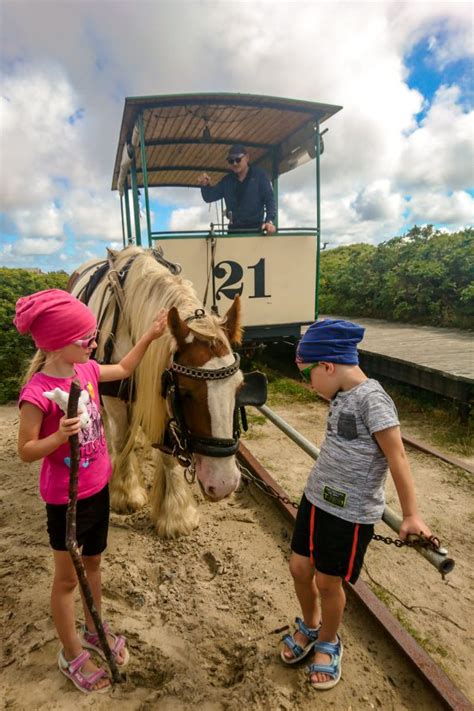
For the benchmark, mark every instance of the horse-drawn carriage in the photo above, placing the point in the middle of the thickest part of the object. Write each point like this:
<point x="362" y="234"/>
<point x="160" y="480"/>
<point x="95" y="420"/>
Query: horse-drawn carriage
<point x="187" y="392"/>
<point x="169" y="141"/>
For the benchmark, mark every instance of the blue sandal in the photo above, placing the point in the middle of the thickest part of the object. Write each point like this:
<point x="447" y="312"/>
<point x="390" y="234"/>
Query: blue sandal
<point x="333" y="669"/>
<point x="297" y="650"/>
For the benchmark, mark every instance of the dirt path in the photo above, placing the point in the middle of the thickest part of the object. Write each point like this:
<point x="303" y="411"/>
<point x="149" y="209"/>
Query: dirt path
<point x="199" y="612"/>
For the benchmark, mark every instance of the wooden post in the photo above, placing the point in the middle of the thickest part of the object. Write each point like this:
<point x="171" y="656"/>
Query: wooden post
<point x="71" y="540"/>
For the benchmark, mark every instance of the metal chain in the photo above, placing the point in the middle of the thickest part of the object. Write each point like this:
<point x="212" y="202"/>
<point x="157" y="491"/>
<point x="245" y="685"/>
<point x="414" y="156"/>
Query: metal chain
<point x="421" y="540"/>
<point x="266" y="488"/>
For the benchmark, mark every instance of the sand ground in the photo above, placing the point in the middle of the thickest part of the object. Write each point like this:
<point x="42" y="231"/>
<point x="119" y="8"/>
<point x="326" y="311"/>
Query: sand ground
<point x="199" y="612"/>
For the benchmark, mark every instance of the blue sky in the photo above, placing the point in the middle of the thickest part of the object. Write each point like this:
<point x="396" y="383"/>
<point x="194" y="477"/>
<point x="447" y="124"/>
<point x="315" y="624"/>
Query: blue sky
<point x="399" y="153"/>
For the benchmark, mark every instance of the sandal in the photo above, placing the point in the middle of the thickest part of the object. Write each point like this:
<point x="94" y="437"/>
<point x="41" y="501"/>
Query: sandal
<point x="83" y="682"/>
<point x="333" y="669"/>
<point x="90" y="640"/>
<point x="298" y="651"/>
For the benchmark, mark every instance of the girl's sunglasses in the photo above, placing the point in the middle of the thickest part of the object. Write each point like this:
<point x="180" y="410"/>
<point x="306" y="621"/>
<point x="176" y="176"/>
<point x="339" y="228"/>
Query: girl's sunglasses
<point x="306" y="372"/>
<point x="86" y="342"/>
<point x="231" y="161"/>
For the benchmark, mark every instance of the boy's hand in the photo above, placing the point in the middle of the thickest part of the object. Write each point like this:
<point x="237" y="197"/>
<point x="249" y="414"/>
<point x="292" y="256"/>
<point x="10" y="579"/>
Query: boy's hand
<point x="68" y="427"/>
<point x="159" y="325"/>
<point x="413" y="524"/>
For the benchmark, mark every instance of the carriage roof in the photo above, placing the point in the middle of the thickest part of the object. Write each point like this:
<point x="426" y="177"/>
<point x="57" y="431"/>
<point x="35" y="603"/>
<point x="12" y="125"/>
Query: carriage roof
<point x="186" y="134"/>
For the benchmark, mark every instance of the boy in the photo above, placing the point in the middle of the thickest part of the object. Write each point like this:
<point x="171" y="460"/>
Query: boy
<point x="344" y="494"/>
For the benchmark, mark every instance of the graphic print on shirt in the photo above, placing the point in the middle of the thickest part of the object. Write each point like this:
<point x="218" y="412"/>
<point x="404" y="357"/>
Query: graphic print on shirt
<point x="91" y="438"/>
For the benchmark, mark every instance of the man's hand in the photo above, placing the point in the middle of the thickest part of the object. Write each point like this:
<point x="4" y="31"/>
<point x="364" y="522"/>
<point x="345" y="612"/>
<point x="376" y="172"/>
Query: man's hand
<point x="269" y="228"/>
<point x="204" y="180"/>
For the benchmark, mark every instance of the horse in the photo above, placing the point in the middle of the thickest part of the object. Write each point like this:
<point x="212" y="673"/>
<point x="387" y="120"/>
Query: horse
<point x="182" y="395"/>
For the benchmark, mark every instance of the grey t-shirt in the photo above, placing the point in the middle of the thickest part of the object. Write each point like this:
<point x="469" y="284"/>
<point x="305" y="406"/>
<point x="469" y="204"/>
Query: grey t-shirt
<point x="348" y="478"/>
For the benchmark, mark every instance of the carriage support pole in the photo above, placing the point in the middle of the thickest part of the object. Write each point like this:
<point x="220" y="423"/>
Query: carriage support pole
<point x="71" y="540"/>
<point x="145" y="176"/>
<point x="127" y="213"/>
<point x="318" y="219"/>
<point x="136" y="207"/>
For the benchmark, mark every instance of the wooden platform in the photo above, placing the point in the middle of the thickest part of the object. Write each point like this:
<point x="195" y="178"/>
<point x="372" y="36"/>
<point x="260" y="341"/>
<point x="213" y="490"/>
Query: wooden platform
<point x="440" y="360"/>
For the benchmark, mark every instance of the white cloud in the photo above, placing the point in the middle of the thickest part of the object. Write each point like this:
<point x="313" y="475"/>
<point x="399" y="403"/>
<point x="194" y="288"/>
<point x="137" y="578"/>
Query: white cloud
<point x="376" y="202"/>
<point x="39" y="221"/>
<point x="440" y="153"/>
<point x="342" y="53"/>
<point x="455" y="210"/>
<point x="38" y="145"/>
<point x="190" y="218"/>
<point x="90" y="214"/>
<point x="29" y="246"/>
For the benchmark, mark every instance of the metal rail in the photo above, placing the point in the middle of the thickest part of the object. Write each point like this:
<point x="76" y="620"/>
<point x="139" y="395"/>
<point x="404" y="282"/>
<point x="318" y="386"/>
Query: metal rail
<point x="439" y="559"/>
<point x="460" y="463"/>
<point x="432" y="674"/>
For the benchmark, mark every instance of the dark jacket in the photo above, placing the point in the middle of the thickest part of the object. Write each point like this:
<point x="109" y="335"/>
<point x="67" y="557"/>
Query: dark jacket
<point x="253" y="206"/>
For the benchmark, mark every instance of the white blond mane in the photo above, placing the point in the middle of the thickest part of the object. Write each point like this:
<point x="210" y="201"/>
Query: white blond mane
<point x="149" y="287"/>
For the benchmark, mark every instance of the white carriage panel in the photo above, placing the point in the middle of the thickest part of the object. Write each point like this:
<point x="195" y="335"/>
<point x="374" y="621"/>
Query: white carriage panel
<point x="275" y="276"/>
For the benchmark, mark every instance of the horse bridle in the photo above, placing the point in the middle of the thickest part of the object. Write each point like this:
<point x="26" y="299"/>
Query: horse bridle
<point x="179" y="440"/>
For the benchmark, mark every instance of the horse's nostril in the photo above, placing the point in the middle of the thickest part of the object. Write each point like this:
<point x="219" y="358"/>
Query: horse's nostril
<point x="211" y="491"/>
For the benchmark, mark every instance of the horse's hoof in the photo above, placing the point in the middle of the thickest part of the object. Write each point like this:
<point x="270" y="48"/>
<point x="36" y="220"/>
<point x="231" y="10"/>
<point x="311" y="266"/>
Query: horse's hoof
<point x="170" y="529"/>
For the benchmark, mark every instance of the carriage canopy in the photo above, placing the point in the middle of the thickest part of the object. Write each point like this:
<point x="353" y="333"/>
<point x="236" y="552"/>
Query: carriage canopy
<point x="186" y="134"/>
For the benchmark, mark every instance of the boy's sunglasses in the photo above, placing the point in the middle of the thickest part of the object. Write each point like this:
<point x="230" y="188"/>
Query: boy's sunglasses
<point x="231" y="161"/>
<point x="306" y="372"/>
<point x="86" y="342"/>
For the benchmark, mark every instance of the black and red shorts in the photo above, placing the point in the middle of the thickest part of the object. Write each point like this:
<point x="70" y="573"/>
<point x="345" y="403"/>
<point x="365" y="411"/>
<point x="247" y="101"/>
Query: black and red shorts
<point x="92" y="523"/>
<point x="335" y="546"/>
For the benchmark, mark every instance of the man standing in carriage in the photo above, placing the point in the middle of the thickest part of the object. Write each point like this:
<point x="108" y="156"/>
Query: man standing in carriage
<point x="247" y="191"/>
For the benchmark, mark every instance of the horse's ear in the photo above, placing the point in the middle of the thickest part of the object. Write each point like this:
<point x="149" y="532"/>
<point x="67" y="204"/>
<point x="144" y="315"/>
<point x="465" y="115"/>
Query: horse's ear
<point x="231" y="323"/>
<point x="178" y="328"/>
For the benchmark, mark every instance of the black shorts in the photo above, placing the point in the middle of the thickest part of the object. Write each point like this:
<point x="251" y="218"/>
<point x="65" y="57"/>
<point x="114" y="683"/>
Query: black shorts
<point x="335" y="546"/>
<point x="92" y="523"/>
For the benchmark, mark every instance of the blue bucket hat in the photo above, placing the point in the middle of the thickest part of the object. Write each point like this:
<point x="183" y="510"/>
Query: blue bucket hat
<point x="331" y="341"/>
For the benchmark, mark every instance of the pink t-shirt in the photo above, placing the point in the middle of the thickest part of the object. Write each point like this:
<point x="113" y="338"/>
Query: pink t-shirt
<point x="95" y="467"/>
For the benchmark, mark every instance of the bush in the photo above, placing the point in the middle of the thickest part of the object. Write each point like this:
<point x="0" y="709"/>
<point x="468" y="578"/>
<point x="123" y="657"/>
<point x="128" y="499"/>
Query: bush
<point x="424" y="277"/>
<point x="16" y="350"/>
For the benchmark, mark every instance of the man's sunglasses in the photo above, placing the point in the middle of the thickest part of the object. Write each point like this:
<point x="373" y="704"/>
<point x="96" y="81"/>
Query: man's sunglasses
<point x="85" y="342"/>
<point x="231" y="161"/>
<point x="306" y="372"/>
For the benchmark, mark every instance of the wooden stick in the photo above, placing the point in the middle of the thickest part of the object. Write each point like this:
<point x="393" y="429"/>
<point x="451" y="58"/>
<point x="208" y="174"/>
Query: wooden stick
<point x="71" y="540"/>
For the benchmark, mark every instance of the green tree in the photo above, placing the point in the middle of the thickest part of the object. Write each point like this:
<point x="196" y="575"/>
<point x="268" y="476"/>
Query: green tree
<point x="16" y="350"/>
<point x="424" y="276"/>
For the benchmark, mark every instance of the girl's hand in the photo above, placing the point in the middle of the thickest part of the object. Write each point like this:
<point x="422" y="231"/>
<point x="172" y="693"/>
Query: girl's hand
<point x="413" y="524"/>
<point x="68" y="427"/>
<point x="159" y="325"/>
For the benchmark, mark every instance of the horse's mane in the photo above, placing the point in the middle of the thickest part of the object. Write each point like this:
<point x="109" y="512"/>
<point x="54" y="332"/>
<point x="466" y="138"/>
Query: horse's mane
<point x="149" y="287"/>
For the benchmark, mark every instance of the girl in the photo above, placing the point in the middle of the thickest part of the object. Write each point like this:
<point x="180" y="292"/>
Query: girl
<point x="64" y="331"/>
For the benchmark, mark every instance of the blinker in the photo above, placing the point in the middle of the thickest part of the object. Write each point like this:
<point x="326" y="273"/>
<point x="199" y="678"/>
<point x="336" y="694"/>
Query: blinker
<point x="253" y="390"/>
<point x="166" y="382"/>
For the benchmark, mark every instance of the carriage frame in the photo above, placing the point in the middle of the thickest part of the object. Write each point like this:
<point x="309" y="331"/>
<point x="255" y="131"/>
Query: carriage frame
<point x="169" y="140"/>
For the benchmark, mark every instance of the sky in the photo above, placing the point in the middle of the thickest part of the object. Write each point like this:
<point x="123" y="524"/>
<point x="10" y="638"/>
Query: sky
<point x="401" y="152"/>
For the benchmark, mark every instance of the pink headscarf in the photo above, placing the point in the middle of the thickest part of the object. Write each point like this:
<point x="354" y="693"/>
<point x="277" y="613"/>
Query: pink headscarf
<point x="54" y="318"/>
